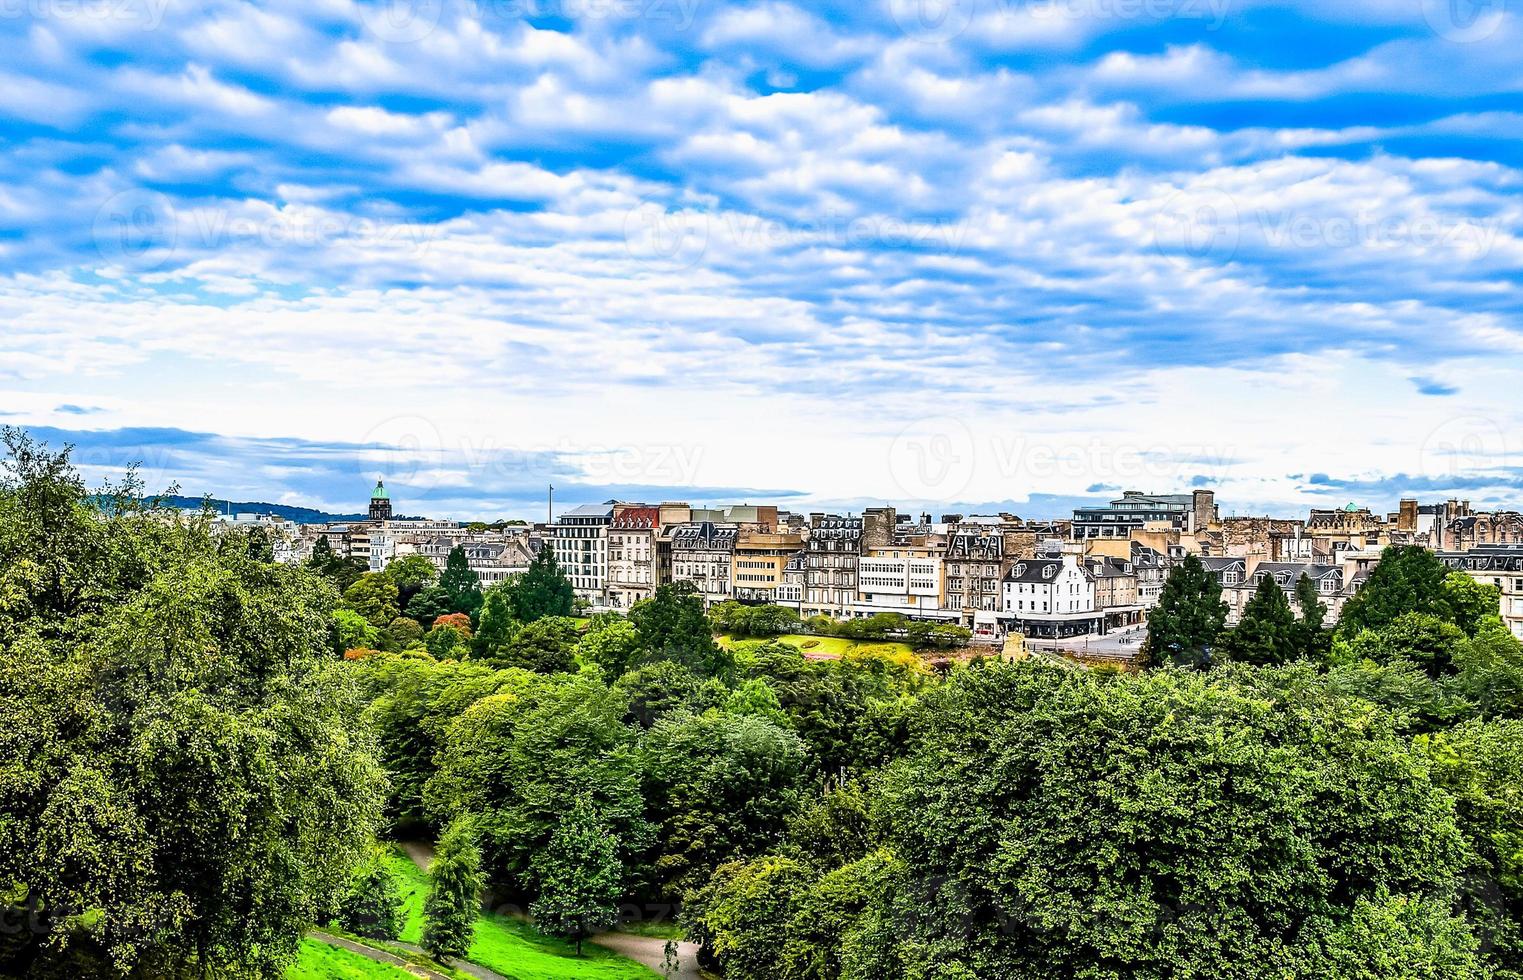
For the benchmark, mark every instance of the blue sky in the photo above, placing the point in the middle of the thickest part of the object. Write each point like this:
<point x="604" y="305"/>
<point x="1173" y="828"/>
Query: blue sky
<point x="946" y="253"/>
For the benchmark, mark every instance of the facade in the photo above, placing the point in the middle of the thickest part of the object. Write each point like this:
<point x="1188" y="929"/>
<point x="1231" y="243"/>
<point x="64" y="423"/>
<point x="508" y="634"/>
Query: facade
<point x="1500" y="566"/>
<point x="1117" y="593"/>
<point x="1052" y="598"/>
<point x="703" y="553"/>
<point x="902" y="578"/>
<point x="380" y="502"/>
<point x="1329" y="580"/>
<point x="1188" y="512"/>
<point x="580" y="543"/>
<point x="759" y="569"/>
<point x="633" y="569"/>
<point x="834" y="548"/>
<point x="976" y="564"/>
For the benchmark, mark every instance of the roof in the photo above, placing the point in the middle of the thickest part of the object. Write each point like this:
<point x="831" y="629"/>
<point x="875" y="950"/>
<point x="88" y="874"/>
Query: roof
<point x="588" y="510"/>
<point x="379" y="493"/>
<point x="1036" y="570"/>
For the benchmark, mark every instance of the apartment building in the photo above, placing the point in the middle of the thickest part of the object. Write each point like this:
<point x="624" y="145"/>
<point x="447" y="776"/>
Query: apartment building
<point x="633" y="567"/>
<point x="759" y="573"/>
<point x="703" y="553"/>
<point x="903" y="578"/>
<point x="1051" y="598"/>
<point x="834" y="547"/>
<point x="579" y="540"/>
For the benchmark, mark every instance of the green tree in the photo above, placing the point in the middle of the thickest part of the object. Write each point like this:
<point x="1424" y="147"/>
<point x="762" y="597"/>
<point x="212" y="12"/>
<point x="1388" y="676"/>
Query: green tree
<point x="259" y="546"/>
<point x="372" y="907"/>
<point x="517" y="759"/>
<point x="545" y="646"/>
<point x="342" y="572"/>
<point x="165" y="814"/>
<point x="543" y="590"/>
<point x="1189" y="617"/>
<point x="1311" y="636"/>
<point x="454" y="894"/>
<point x="1490" y="671"/>
<point x="1407" y="579"/>
<point x="1267" y="633"/>
<point x="461" y="584"/>
<point x="1163" y="824"/>
<point x="354" y="631"/>
<point x="374" y="596"/>
<point x="579" y="877"/>
<point x="611" y="644"/>
<point x="1420" y="638"/>
<point x="740" y="916"/>
<point x="498" y="624"/>
<point x="403" y="633"/>
<point x="719" y="787"/>
<point x="672" y="626"/>
<point x="428" y="604"/>
<point x="411" y="573"/>
<point x="1471" y="604"/>
<point x="447" y="642"/>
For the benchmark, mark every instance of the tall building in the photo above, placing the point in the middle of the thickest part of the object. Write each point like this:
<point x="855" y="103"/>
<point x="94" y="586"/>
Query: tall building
<point x="380" y="502"/>
<point x="579" y="540"/>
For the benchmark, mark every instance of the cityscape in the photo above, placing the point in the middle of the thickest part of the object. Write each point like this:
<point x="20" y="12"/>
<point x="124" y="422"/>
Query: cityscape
<point x="1094" y="575"/>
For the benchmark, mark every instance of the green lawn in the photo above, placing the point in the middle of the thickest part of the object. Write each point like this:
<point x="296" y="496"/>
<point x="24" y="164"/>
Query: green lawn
<point x="832" y="646"/>
<point x="415" y="888"/>
<point x="319" y="961"/>
<point x="513" y="948"/>
<point x="516" y="949"/>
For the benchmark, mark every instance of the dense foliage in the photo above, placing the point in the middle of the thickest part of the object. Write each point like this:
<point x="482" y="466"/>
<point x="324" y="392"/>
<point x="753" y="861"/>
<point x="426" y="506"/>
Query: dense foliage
<point x="184" y="783"/>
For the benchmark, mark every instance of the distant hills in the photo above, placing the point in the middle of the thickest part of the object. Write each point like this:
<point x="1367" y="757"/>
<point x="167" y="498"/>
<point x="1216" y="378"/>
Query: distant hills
<point x="301" y="515"/>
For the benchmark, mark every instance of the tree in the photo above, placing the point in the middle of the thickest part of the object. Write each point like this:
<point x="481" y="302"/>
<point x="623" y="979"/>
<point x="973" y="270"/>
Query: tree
<point x="1407" y="579"/>
<point x="740" y="916"/>
<point x="1188" y="618"/>
<point x="403" y="633"/>
<point x="545" y="646"/>
<point x="374" y="596"/>
<point x="611" y="644"/>
<point x="353" y="630"/>
<point x="461" y="584"/>
<point x="1471" y="604"/>
<point x="342" y="572"/>
<point x="454" y="894"/>
<point x="411" y="573"/>
<point x="720" y="787"/>
<point x="1162" y="824"/>
<point x="447" y="642"/>
<point x="1267" y="633"/>
<point x="580" y="878"/>
<point x="165" y="813"/>
<point x="543" y="590"/>
<point x="1311" y="638"/>
<point x="672" y="626"/>
<point x="429" y="604"/>
<point x="498" y="624"/>
<point x="259" y="546"/>
<point x="373" y="905"/>
<point x="1419" y="638"/>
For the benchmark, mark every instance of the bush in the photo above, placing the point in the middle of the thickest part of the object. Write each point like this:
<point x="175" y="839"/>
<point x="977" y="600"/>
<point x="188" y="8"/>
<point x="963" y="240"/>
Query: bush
<point x="454" y="894"/>
<point x="373" y="906"/>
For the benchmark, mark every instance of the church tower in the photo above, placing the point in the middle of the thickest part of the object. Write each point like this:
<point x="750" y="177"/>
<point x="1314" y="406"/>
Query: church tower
<point x="380" y="502"/>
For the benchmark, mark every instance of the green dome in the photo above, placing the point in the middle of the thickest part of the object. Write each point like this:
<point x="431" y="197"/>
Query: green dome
<point x="379" y="493"/>
<point x="1351" y="508"/>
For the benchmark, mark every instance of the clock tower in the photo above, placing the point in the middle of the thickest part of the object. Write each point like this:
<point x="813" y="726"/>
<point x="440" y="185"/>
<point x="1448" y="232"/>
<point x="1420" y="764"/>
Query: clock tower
<point x="380" y="502"/>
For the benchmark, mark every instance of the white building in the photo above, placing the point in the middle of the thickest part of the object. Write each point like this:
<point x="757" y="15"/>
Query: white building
<point x="1052" y="597"/>
<point x="580" y="542"/>
<point x="901" y="580"/>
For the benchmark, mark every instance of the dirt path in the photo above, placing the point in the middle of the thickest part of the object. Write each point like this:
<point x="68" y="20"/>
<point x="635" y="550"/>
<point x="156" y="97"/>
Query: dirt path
<point x="645" y="950"/>
<point x="381" y="956"/>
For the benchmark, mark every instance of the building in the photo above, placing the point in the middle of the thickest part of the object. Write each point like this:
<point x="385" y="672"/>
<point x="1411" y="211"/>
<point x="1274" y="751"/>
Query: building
<point x="633" y="567"/>
<point x="1328" y="579"/>
<point x="834" y="547"/>
<point x="759" y="573"/>
<point x="975" y="567"/>
<point x="380" y="502"/>
<point x="703" y="553"/>
<point x="579" y="540"/>
<point x="1052" y="598"/>
<point x="1500" y="566"/>
<point x="1188" y="512"/>
<point x="1117" y="593"/>
<point x="906" y="578"/>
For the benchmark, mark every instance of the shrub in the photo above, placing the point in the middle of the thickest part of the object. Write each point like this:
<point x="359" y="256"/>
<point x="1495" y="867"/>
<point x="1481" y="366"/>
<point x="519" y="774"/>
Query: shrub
<point x="373" y="905"/>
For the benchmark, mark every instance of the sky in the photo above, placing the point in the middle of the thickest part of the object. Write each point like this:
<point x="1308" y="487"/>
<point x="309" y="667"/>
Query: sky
<point x="948" y="254"/>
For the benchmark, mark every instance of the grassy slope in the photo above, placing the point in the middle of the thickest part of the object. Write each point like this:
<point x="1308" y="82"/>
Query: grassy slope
<point x="320" y="961"/>
<point x="516" y="949"/>
<point x="832" y="646"/>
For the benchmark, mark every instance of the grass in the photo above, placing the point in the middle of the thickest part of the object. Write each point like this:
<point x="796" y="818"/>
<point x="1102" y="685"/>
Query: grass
<point x="415" y="889"/>
<point x="319" y="961"/>
<point x="514" y="948"/>
<point x="830" y="646"/>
